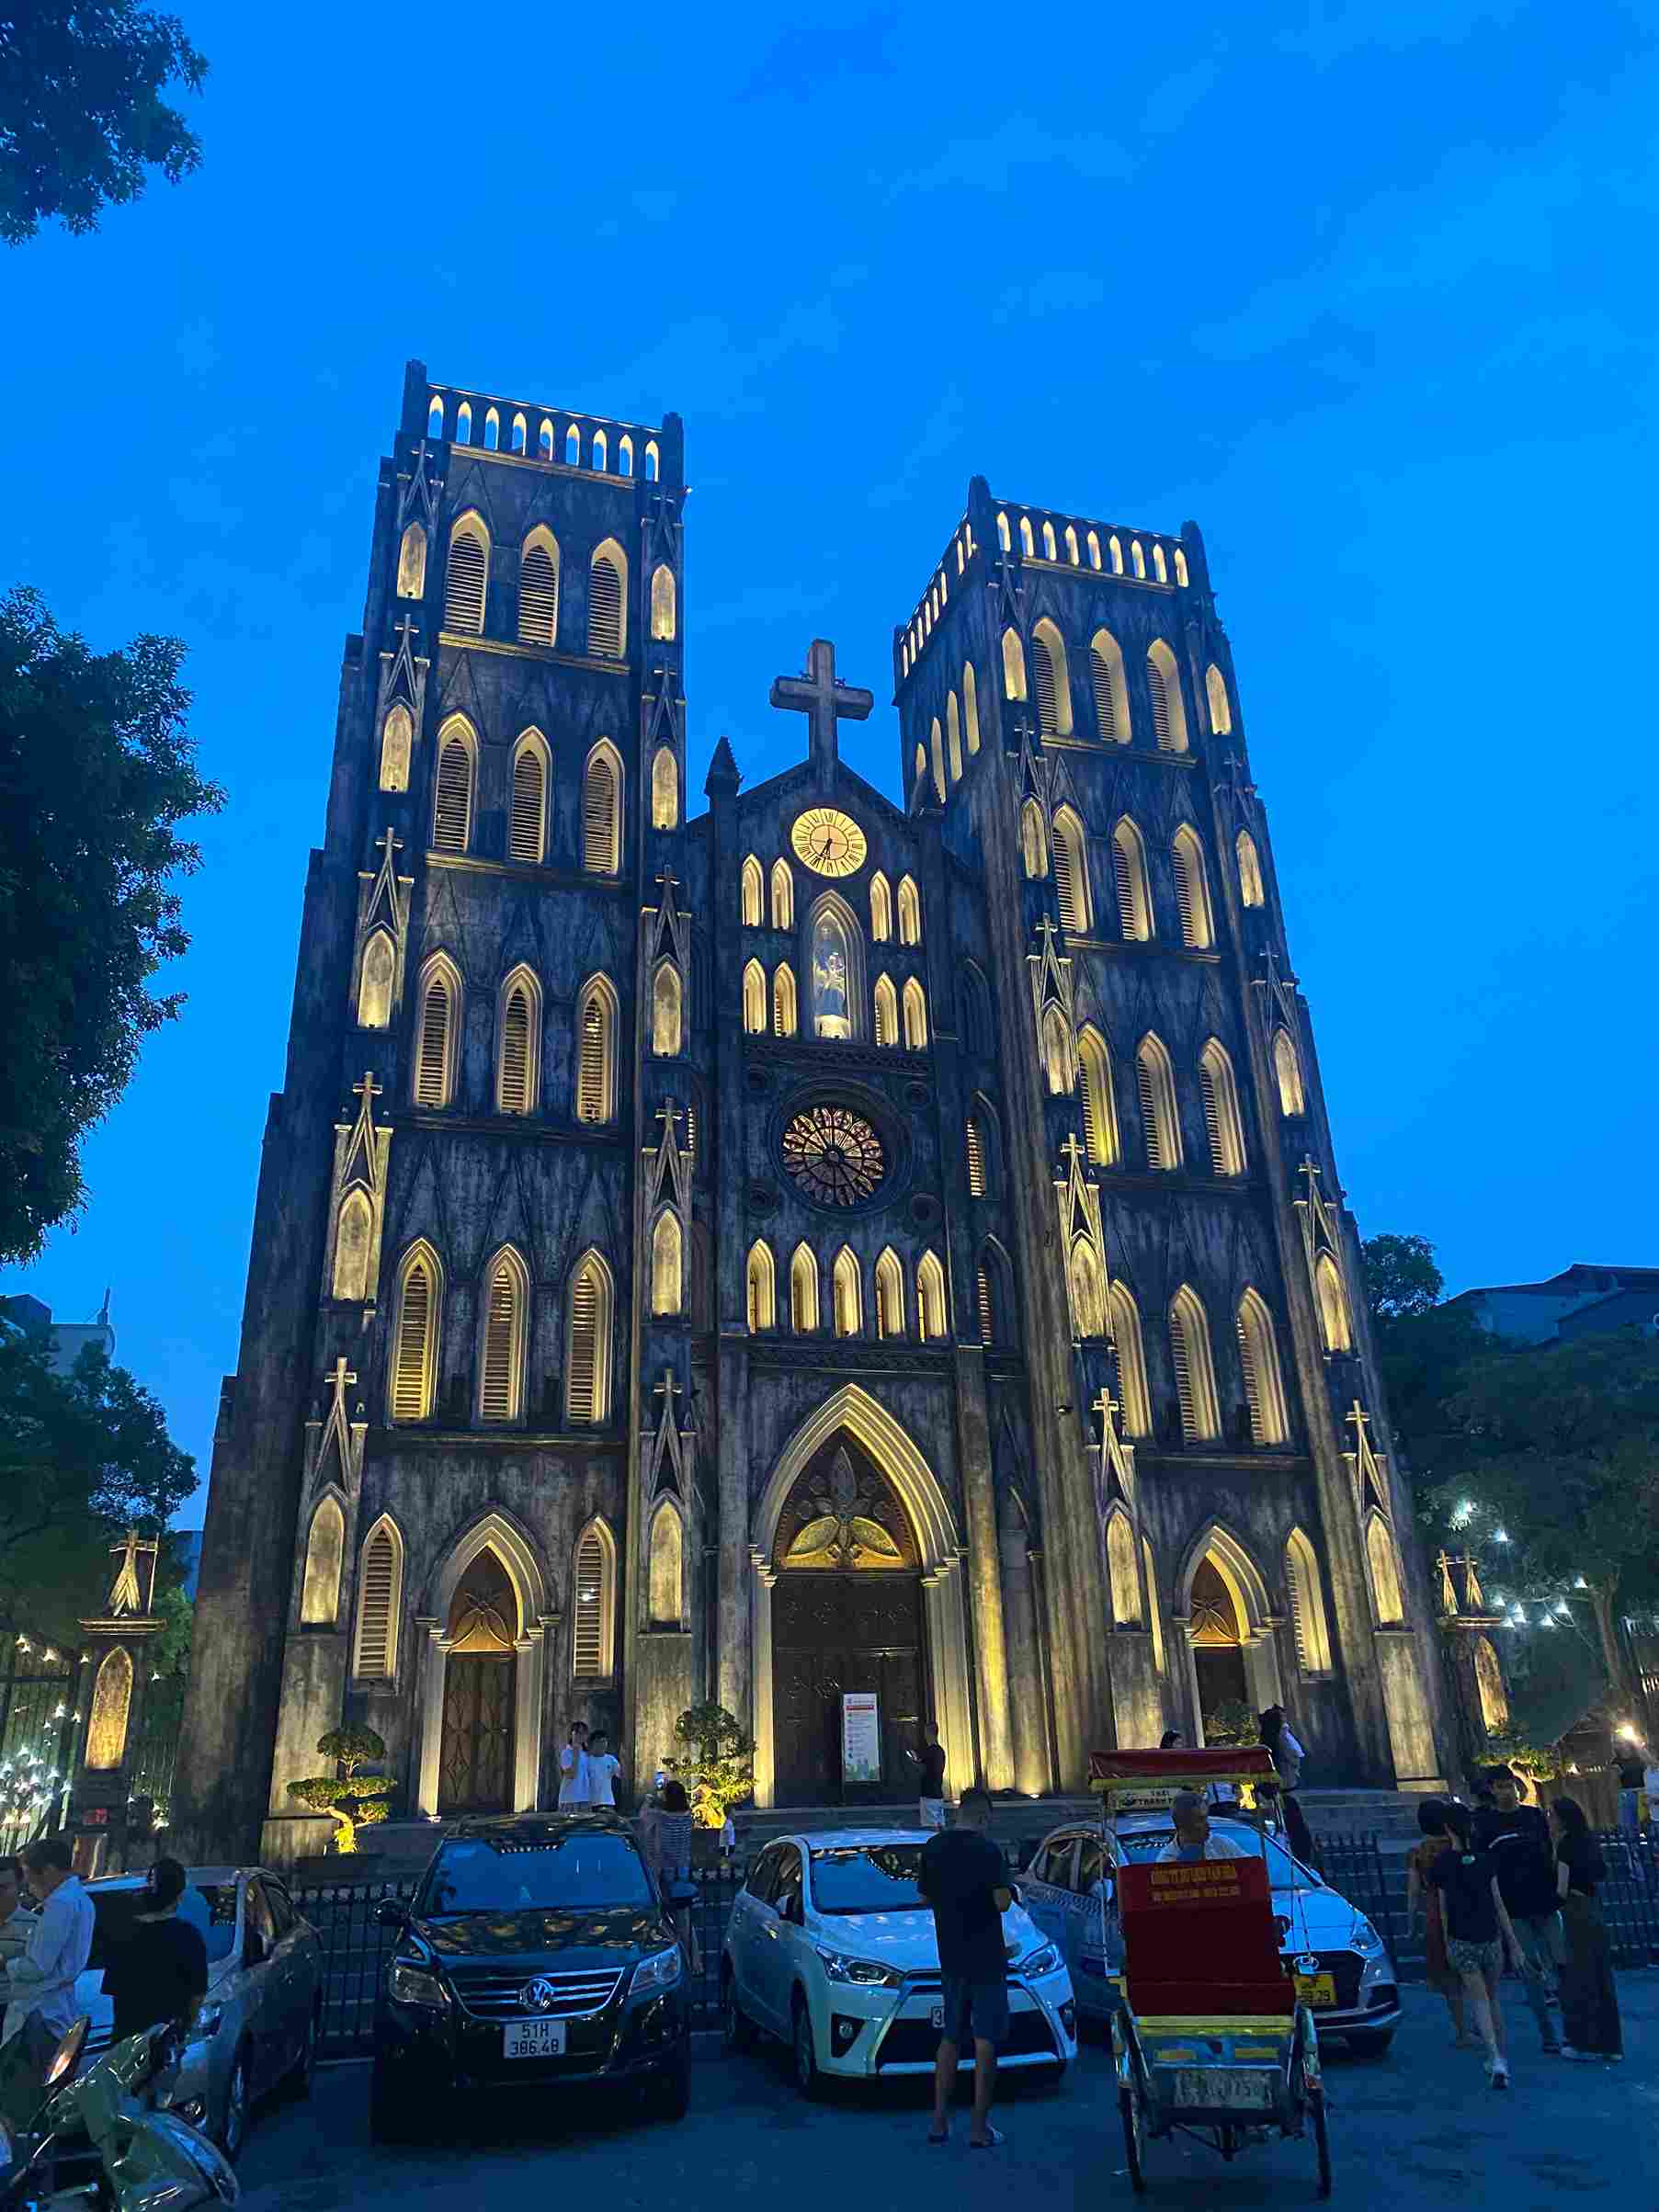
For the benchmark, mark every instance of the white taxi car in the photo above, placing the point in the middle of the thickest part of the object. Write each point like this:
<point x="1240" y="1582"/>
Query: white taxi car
<point x="1342" y="1963"/>
<point x="831" y="1948"/>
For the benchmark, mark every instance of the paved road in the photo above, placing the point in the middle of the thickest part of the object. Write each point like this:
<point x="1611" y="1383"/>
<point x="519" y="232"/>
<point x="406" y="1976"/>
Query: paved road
<point x="1419" y="2127"/>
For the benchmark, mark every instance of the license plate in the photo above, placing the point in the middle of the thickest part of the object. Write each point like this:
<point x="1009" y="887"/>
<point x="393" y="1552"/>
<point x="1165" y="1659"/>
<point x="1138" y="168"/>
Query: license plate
<point x="1227" y="2088"/>
<point x="535" y="2039"/>
<point x="938" y="2015"/>
<point x="1316" y="1989"/>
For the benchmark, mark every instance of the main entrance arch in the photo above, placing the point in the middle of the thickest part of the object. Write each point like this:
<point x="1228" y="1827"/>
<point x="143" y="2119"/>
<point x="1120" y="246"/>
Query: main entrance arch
<point x="488" y="1586"/>
<point x="854" y="1553"/>
<point x="1232" y="1650"/>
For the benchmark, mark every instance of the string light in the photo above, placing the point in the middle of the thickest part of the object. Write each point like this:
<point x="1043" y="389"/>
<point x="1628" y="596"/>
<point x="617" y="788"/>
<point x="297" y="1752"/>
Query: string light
<point x="1500" y="1535"/>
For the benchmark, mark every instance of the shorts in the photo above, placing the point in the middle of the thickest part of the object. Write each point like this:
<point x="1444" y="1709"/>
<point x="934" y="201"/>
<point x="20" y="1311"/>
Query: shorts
<point x="976" y="2010"/>
<point x="1474" y="1957"/>
<point x="933" y="1812"/>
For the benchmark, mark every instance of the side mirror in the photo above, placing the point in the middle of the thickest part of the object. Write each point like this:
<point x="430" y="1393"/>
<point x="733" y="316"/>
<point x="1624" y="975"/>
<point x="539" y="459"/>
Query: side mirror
<point x="391" y="1913"/>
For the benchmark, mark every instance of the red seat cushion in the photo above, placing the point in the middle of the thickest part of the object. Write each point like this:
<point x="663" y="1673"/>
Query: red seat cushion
<point x="1201" y="1939"/>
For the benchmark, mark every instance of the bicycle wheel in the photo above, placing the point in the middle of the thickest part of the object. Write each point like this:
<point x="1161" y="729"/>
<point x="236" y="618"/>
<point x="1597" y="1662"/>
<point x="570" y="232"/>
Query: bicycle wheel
<point x="1134" y="2137"/>
<point x="1322" y="2139"/>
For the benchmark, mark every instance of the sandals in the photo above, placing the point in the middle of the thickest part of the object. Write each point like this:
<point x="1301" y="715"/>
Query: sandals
<point x="994" y="2140"/>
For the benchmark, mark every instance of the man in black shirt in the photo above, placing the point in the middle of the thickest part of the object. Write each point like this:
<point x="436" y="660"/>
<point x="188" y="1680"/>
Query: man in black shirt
<point x="963" y="1878"/>
<point x="1518" y="1838"/>
<point x="159" y="1974"/>
<point x="930" y="1760"/>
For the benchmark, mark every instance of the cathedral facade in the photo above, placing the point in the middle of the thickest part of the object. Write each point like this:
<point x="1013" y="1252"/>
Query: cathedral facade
<point x="814" y="1247"/>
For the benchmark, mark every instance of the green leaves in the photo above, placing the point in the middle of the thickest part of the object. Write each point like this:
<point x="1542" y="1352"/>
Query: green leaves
<point x="353" y="1800"/>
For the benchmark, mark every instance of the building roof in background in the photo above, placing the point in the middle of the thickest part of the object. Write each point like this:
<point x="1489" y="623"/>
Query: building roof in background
<point x="69" y="1339"/>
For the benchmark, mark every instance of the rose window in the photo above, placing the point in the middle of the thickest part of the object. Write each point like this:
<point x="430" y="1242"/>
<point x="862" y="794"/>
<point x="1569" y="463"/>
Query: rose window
<point x="835" y="1155"/>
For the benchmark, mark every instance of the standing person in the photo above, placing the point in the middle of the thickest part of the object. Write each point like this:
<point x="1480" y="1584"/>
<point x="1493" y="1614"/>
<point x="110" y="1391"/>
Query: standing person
<point x="1288" y="1754"/>
<point x="665" y="1846"/>
<point x="17" y="1923"/>
<point x="1517" y="1837"/>
<point x="1589" y="2000"/>
<point x="1421" y="1896"/>
<point x="160" y="1971"/>
<point x="38" y="1986"/>
<point x="930" y="1760"/>
<point x="1171" y="1740"/>
<point x="963" y="1878"/>
<point x="1194" y="1840"/>
<point x="603" y="1767"/>
<point x="573" y="1767"/>
<point x="1479" y="1933"/>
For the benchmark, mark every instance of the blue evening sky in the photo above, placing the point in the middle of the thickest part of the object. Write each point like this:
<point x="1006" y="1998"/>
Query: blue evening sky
<point x="1367" y="291"/>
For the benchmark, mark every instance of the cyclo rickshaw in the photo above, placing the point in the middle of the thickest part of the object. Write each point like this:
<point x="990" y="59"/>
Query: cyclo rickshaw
<point x="1210" y="2037"/>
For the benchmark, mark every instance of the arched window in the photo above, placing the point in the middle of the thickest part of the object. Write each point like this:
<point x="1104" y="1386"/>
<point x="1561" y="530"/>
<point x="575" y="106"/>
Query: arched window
<point x="1052" y="680"/>
<point x="784" y="1015"/>
<point x="607" y="602"/>
<point x="1192" y="891"/>
<point x="379" y="1604"/>
<point x="324" y="1556"/>
<point x="602" y="811"/>
<point x="1134" y="893"/>
<point x="599" y="453"/>
<point x="519" y="1063"/>
<point x="751" y="893"/>
<point x="887" y="1012"/>
<point x="1003" y="538"/>
<point x="625" y="456"/>
<point x="889" y="1295"/>
<point x="1156" y="1610"/>
<point x="651" y="460"/>
<point x="435" y="417"/>
<point x="1088" y="1293"/>
<point x="1180" y="566"/>
<point x="1123" y="1571"/>
<point x="783" y="896"/>
<point x="803" y="1291"/>
<point x="910" y="913"/>
<point x="1264" y="1388"/>
<point x="1249" y="871"/>
<point x="593" y="1632"/>
<point x="915" y="1017"/>
<point x="573" y="447"/>
<point x="921" y="774"/>
<point x="1071" y="544"/>
<point x="1220" y="1110"/>
<point x="526" y="832"/>
<point x="520" y="434"/>
<point x="1489" y="1683"/>
<point x="665" y="789"/>
<point x="992" y="1297"/>
<point x="1094" y="546"/>
<point x="1110" y="688"/>
<point x="762" y="1287"/>
<point x="352" y="1232"/>
<point x="937" y="745"/>
<point x="1307" y="1606"/>
<point x="544" y="440"/>
<point x="1028" y="544"/>
<point x="437" y="1036"/>
<point x="1014" y="666"/>
<point x="833" y="975"/>
<point x="1134" y="1399"/>
<point x="1287" y="1073"/>
<point x="1386" y="1592"/>
<point x="1195" y="1370"/>
<point x="662" y="601"/>
<point x="755" y="999"/>
<point x="930" y="1299"/>
<point x="845" y="1292"/>
<point x="1335" y="1330"/>
<point x="1220" y="713"/>
<point x="1137" y="559"/>
<point x="452" y="802"/>
<point x="1117" y="553"/>
<point x="587" y="1326"/>
<point x="971" y="706"/>
<point x="666" y="1576"/>
<point x="1049" y="551"/>
<point x="1163" y="691"/>
<point x="1158" y="567"/>
<point x="978" y="1181"/>
<point x="881" y="910"/>
<point x="501" y="1370"/>
<point x="374" y="982"/>
<point x="463" y="424"/>
<point x="953" y="738"/>
<point x="976" y="1011"/>
<point x="415" y="1345"/>
<point x="597" y="1063"/>
<point x="468" y="573"/>
<point x="1072" y="874"/>
<point x="1033" y="845"/>
<point x="412" y="562"/>
<point x="539" y="588"/>
<point x="665" y="1022"/>
<point x="1160" y="1122"/>
<point x="491" y="431"/>
<point x="1100" y="1105"/>
<point x="1057" y="1052"/>
<point x="397" y="742"/>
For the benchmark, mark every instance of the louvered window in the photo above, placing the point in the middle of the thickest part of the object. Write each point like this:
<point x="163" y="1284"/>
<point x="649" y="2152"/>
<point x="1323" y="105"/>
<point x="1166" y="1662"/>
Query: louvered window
<point x="1156" y="1081"/>
<point x="1099" y="1117"/>
<point x="1129" y="872"/>
<point x="583" y="1383"/>
<point x="1287" y="1069"/>
<point x="1043" y="669"/>
<point x="890" y="1297"/>
<point x="930" y="1299"/>
<point x="1249" y="870"/>
<point x="887" y="1012"/>
<point x="538" y="597"/>
<point x="432" y="1047"/>
<point x="1106" y="701"/>
<point x="1195" y="1376"/>
<point x="985" y="1301"/>
<point x="1221" y="1111"/>
<point x="1307" y="1606"/>
<point x="599" y="812"/>
<point x="517" y="1044"/>
<point x="1070" y="882"/>
<point x="976" y="1159"/>
<point x="464" y="584"/>
<point x="376" y="1606"/>
<point x="915" y="1017"/>
<point x="591" y="1639"/>
<point x="529" y="806"/>
<point x="605" y="608"/>
<point x="1124" y="1317"/>
<point x="593" y="1085"/>
<point x="412" y="1363"/>
<point x="452" y="814"/>
<point x="1160" y="707"/>
<point x="498" y="1389"/>
<point x="1192" y="893"/>
<point x="1258" y="1354"/>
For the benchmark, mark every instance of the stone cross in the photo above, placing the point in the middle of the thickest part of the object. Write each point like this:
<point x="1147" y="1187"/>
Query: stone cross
<point x="669" y="1115"/>
<point x="1106" y="1405"/>
<point x="127" y="1597"/>
<point x="367" y="1091"/>
<point x="667" y="1390"/>
<point x="1073" y="1152"/>
<point x="825" y="700"/>
<point x="340" y="1374"/>
<point x="393" y="844"/>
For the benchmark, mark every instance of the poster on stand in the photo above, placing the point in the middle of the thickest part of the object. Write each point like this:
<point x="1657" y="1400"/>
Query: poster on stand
<point x="860" y="1736"/>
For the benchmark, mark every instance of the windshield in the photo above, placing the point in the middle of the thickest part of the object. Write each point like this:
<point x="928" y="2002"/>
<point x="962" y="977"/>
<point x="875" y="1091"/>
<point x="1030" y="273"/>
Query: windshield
<point x="867" y="1877"/>
<point x="114" y="1912"/>
<point x="1283" y="1871"/>
<point x="578" y="1873"/>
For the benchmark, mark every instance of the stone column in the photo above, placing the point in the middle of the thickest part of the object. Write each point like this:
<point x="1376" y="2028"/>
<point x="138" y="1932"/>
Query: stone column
<point x="1028" y="1698"/>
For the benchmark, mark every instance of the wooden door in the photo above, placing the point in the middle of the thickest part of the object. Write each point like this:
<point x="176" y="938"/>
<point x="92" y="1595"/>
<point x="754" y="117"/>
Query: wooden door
<point x="475" y="1766"/>
<point x="831" y="1634"/>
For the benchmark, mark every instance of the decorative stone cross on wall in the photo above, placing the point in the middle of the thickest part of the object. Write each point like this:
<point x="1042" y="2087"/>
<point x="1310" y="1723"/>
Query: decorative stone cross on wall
<point x="825" y="700"/>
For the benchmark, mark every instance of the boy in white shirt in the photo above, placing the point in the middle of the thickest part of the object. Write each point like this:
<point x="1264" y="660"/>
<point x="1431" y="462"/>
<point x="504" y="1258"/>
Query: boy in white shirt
<point x="603" y="1767"/>
<point x="573" y="1767"/>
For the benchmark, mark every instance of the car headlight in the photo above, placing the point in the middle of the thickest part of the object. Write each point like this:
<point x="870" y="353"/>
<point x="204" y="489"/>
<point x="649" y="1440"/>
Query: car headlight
<point x="1043" y="1961"/>
<point x="1364" y="1939"/>
<point x="660" y="1971"/>
<point x="867" y="1973"/>
<point x="408" y="1984"/>
<point x="208" y="2019"/>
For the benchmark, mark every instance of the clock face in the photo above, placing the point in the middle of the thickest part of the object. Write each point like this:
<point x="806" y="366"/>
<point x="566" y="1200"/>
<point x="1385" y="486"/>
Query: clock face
<point x="829" y="842"/>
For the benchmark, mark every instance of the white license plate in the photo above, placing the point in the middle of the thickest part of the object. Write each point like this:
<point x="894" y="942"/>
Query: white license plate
<point x="1222" y="2087"/>
<point x="937" y="2016"/>
<point x="535" y="2039"/>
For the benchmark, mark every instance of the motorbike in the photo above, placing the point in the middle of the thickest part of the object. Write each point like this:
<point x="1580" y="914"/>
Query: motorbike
<point x="147" y="2160"/>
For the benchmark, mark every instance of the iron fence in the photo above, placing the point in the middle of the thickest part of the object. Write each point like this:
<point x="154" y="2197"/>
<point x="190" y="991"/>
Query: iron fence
<point x="36" y="1734"/>
<point x="354" y="1950"/>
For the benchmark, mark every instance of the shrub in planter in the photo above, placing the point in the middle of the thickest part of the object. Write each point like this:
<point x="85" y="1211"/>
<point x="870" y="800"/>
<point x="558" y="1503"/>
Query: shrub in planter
<point x="352" y="1800"/>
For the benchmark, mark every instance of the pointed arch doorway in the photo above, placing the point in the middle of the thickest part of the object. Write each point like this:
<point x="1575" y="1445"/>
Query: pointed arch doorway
<point x="476" y="1761"/>
<point x="1231" y="1642"/>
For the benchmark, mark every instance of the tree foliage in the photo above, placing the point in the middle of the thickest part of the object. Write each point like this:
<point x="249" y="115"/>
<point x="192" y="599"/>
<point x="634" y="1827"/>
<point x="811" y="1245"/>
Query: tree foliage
<point x="352" y="1800"/>
<point x="96" y="773"/>
<point x="718" y="1769"/>
<point x="1400" y="1276"/>
<point x="82" y="1457"/>
<point x="82" y="117"/>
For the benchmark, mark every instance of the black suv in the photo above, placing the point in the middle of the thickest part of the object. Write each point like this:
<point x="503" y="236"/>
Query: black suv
<point x="536" y="1952"/>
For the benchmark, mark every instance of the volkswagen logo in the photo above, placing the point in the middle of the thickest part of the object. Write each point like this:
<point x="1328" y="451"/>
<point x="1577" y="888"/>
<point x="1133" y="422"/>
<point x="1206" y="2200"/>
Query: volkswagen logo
<point x="1307" y="1964"/>
<point x="539" y="1996"/>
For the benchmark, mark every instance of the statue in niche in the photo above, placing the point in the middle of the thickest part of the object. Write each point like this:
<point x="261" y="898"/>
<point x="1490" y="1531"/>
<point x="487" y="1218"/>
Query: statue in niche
<point x="832" y="1010"/>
